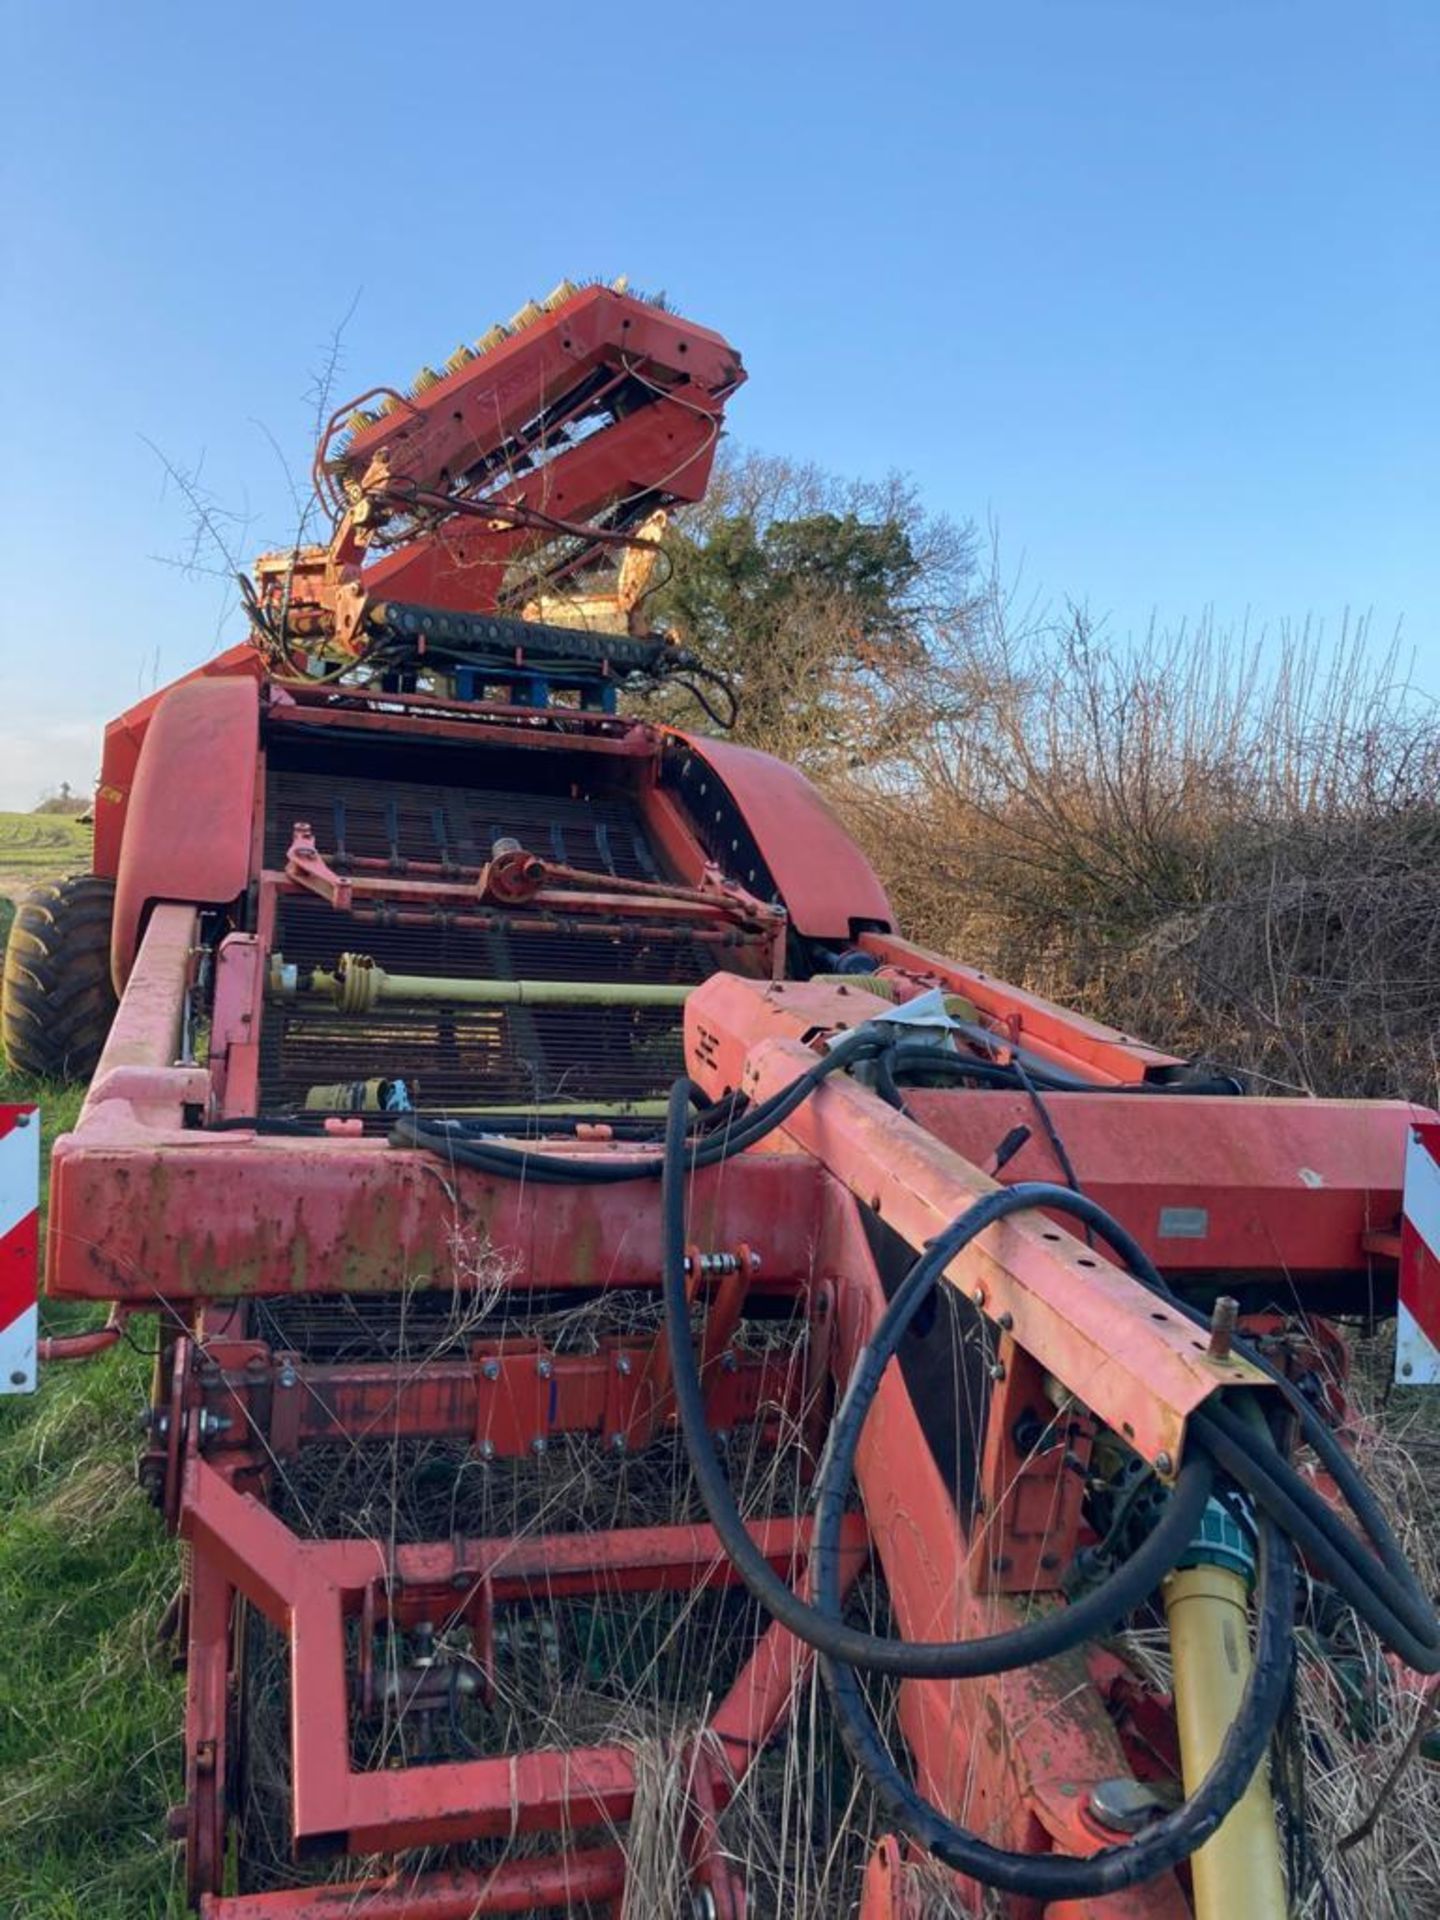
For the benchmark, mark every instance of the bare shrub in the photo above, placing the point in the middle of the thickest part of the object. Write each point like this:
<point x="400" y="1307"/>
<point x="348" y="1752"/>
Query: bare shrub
<point x="1232" y="848"/>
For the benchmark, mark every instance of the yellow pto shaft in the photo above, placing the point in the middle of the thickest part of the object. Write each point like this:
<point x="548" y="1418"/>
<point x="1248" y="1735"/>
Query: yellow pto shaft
<point x="358" y="985"/>
<point x="1237" y="1871"/>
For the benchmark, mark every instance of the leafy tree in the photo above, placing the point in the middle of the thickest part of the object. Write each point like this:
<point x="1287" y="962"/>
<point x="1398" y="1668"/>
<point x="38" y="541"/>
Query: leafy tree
<point x="820" y="600"/>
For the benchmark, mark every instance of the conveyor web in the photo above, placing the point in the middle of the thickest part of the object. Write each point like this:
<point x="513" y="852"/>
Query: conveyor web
<point x="453" y="1057"/>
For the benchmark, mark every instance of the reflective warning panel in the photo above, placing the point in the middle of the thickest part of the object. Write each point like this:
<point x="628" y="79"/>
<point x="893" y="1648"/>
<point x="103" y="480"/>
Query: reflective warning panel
<point x="1417" y="1328"/>
<point x="19" y="1246"/>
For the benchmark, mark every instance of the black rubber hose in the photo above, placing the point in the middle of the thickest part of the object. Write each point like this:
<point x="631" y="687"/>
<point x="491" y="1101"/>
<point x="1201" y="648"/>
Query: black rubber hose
<point x="1042" y="1073"/>
<point x="1171" y="1839"/>
<point x="908" y="1057"/>
<point x="1370" y="1590"/>
<point x="717" y="1141"/>
<point x="1264" y="1463"/>
<point x="1388" y="1610"/>
<point x="1057" y="1632"/>
<point x="1056" y="1079"/>
<point x="1409" y="1598"/>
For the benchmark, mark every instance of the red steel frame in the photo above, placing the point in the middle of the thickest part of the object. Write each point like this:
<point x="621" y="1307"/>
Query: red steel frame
<point x="143" y="1211"/>
<point x="1299" y="1199"/>
<point x="505" y="417"/>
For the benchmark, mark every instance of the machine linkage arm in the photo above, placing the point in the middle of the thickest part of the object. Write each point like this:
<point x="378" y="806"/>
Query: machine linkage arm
<point x="514" y="877"/>
<point x="564" y="431"/>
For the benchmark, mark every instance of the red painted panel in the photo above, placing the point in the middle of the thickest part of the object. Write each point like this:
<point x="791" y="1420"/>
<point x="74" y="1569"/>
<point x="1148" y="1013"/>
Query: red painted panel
<point x="823" y="878"/>
<point x="1245" y="1186"/>
<point x="126" y="736"/>
<point x="1085" y="1046"/>
<point x="188" y="825"/>
<point x="136" y="1210"/>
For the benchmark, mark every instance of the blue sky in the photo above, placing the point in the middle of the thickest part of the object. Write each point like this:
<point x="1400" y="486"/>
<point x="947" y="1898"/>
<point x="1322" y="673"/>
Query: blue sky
<point x="1151" y="284"/>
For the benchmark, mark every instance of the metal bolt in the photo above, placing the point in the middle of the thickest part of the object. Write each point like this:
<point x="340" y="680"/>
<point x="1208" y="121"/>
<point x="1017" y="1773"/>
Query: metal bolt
<point x="1005" y="1321"/>
<point x="214" y="1422"/>
<point x="997" y="1369"/>
<point x="288" y="1376"/>
<point x="617" y="1441"/>
<point x="978" y="1296"/>
<point x="544" y="1369"/>
<point x="490" y="1369"/>
<point x="1164" y="1463"/>
<point x="728" y="1363"/>
<point x="1124" y="1805"/>
<point x="622" y="1364"/>
<point x="22" y="1120"/>
<point x="539" y="1443"/>
<point x="19" y="1379"/>
<point x="487" y="1449"/>
<point x="1223" y="1316"/>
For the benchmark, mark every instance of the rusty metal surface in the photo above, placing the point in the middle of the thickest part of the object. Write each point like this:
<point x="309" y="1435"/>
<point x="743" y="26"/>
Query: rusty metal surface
<point x="472" y="1057"/>
<point x="476" y="1056"/>
<point x="1140" y="1368"/>
<point x="744" y="800"/>
<point x="308" y="1588"/>
<point x="1085" y="1046"/>
<point x="148" y="1202"/>
<point x="403" y="820"/>
<point x="560" y="1883"/>
<point x="138" y="1208"/>
<point x="1010" y="1756"/>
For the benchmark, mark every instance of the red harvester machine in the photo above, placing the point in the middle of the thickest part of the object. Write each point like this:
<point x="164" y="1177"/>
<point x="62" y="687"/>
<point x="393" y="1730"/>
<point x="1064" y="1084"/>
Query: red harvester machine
<point x="536" y="1141"/>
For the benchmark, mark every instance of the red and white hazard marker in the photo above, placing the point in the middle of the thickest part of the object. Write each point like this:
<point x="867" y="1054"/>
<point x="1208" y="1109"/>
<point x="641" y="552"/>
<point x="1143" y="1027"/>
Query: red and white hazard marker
<point x="19" y="1246"/>
<point x="1417" y="1326"/>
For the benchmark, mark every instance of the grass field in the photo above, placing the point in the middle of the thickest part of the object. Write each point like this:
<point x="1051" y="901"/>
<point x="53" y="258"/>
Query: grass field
<point x="38" y="846"/>
<point x="89" y="1708"/>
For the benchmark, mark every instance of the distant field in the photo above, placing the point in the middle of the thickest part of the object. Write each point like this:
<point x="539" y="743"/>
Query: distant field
<point x="40" y="846"/>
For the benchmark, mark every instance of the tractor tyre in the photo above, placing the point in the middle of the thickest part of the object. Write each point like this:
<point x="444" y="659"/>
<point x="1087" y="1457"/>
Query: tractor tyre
<point x="58" y="999"/>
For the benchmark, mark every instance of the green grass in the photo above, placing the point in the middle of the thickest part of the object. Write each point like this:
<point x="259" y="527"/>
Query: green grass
<point x="90" y="1710"/>
<point x="38" y="846"/>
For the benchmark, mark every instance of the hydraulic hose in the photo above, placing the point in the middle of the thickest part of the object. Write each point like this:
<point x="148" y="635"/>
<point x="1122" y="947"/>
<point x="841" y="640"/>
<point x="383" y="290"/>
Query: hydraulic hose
<point x="453" y="1141"/>
<point x="717" y="1139"/>
<point x="1384" y="1590"/>
<point x="1058" y="1632"/>
<point x="1164" y="1844"/>
<point x="1392" y="1600"/>
<point x="1381" y="1586"/>
<point x="1394" y="1610"/>
<point x="844" y="1649"/>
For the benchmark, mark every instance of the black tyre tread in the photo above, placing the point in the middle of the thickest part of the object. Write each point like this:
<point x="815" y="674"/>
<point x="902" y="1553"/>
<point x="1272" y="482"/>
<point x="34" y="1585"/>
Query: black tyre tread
<point x="58" y="1001"/>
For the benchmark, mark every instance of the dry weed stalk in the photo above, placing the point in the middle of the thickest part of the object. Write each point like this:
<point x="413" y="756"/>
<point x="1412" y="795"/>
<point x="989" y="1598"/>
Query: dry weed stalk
<point x="1235" y="854"/>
